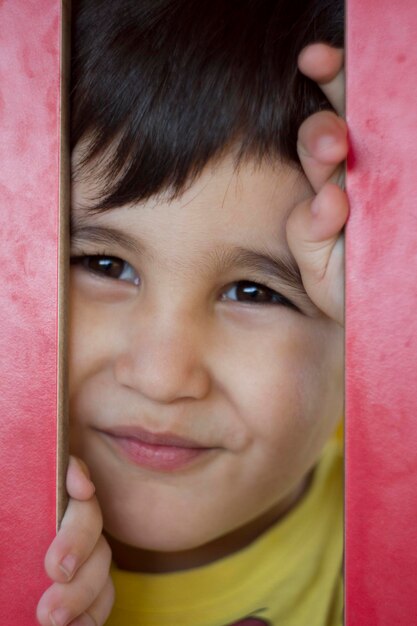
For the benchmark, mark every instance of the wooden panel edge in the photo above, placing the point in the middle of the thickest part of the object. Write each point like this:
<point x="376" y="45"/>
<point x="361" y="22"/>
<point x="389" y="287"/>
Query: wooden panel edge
<point x="63" y="254"/>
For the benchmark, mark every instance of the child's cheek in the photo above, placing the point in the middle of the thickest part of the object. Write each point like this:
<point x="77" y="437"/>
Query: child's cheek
<point x="292" y="388"/>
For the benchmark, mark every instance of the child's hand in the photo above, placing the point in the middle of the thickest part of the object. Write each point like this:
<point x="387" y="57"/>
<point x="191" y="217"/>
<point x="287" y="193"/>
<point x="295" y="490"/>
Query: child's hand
<point x="78" y="561"/>
<point x="314" y="227"/>
<point x="324" y="65"/>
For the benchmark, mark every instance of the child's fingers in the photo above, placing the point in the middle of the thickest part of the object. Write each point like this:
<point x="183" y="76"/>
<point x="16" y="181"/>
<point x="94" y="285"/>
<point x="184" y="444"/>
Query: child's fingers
<point x="78" y="483"/>
<point x="324" y="65"/>
<point x="79" y="532"/>
<point x="322" y="147"/>
<point x="313" y="232"/>
<point x="64" y="602"/>
<point x="100" y="610"/>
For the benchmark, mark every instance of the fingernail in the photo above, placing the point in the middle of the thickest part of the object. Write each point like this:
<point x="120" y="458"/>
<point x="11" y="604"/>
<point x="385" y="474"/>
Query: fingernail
<point x="60" y="617"/>
<point x="325" y="142"/>
<point x="68" y="565"/>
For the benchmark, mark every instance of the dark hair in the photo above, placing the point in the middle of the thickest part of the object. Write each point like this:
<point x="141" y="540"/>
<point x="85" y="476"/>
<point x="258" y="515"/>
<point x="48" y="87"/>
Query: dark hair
<point x="161" y="87"/>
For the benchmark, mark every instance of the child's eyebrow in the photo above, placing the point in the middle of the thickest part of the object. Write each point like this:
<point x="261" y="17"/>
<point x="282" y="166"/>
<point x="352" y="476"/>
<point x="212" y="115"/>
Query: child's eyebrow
<point x="107" y="235"/>
<point x="283" y="268"/>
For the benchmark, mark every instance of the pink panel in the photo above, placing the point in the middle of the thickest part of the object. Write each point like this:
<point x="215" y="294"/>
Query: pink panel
<point x="29" y="200"/>
<point x="381" y="486"/>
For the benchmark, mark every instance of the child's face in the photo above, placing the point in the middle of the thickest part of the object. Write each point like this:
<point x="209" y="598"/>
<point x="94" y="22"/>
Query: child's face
<point x="174" y="345"/>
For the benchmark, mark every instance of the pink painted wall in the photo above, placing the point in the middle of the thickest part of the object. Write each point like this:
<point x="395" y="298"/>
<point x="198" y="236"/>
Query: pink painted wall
<point x="381" y="402"/>
<point x="29" y="170"/>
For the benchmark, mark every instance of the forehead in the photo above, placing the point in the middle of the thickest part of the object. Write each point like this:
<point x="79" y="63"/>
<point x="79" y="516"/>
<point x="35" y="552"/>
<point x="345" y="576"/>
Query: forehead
<point x="253" y="197"/>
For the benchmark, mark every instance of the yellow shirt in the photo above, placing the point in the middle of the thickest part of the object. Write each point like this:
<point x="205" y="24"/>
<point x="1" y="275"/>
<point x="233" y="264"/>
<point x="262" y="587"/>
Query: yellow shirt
<point x="289" y="576"/>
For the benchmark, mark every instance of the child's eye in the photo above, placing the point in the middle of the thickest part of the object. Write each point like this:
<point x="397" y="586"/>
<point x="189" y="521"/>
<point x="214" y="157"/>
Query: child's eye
<point x="108" y="267"/>
<point x="249" y="292"/>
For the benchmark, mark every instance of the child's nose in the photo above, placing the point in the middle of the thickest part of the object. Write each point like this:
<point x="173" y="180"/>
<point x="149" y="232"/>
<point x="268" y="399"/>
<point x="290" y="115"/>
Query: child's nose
<point x="165" y="361"/>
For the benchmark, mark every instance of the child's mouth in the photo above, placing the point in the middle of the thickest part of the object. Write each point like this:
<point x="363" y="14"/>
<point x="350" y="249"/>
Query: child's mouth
<point x="156" y="451"/>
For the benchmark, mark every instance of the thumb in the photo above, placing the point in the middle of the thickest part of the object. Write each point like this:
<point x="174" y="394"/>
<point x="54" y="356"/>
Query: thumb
<point x="314" y="233"/>
<point x="79" y="485"/>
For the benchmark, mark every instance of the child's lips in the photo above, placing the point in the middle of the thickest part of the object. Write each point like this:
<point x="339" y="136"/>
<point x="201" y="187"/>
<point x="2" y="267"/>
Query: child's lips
<point x="157" y="451"/>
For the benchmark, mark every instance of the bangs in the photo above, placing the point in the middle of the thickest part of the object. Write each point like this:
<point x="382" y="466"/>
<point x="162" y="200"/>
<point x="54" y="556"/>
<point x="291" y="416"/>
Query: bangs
<point x="162" y="87"/>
